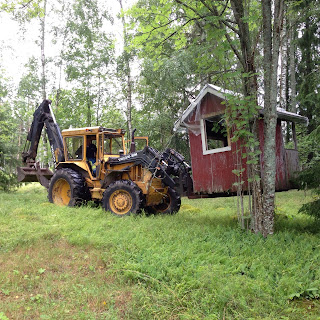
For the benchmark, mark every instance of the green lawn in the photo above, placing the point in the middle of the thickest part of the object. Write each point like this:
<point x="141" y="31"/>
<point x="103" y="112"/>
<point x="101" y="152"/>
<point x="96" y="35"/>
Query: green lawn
<point x="84" y="263"/>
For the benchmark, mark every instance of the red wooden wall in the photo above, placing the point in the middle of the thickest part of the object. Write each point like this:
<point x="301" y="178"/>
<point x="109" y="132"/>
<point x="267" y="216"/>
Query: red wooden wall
<point x="212" y="173"/>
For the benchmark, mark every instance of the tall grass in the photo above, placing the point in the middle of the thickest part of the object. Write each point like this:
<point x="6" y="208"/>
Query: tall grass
<point x="84" y="263"/>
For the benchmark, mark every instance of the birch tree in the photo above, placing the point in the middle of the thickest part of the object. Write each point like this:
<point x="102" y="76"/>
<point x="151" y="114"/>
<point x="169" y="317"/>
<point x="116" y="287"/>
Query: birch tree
<point x="272" y="24"/>
<point x="124" y="71"/>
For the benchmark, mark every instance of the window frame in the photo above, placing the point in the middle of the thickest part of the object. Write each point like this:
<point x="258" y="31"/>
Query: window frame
<point x="112" y="136"/>
<point x="205" y="150"/>
<point x="66" y="148"/>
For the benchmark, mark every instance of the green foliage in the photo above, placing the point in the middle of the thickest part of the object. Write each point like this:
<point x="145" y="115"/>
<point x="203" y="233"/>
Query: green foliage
<point x="309" y="178"/>
<point x="162" y="93"/>
<point x="84" y="263"/>
<point x="8" y="180"/>
<point x="23" y="10"/>
<point x="88" y="56"/>
<point x="308" y="42"/>
<point x="29" y="89"/>
<point x="172" y="28"/>
<point x="69" y="113"/>
<point x="311" y="293"/>
<point x="3" y="316"/>
<point x="312" y="208"/>
<point x="8" y="145"/>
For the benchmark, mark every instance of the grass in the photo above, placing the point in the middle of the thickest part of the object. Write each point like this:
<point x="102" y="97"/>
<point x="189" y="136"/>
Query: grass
<point x="84" y="263"/>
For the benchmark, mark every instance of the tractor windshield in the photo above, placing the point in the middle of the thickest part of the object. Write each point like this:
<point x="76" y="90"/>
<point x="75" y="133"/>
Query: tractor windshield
<point x="113" y="144"/>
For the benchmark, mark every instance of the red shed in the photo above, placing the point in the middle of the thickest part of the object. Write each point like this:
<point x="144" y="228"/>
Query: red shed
<point x="213" y="154"/>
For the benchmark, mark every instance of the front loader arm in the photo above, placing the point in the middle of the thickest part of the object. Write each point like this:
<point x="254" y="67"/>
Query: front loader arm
<point x="169" y="166"/>
<point x="180" y="169"/>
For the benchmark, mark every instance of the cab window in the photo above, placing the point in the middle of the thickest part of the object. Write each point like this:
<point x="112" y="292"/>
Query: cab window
<point x="140" y="143"/>
<point x="112" y="144"/>
<point x="74" y="148"/>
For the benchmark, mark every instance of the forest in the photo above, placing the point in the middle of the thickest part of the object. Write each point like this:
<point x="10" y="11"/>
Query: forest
<point x="140" y="64"/>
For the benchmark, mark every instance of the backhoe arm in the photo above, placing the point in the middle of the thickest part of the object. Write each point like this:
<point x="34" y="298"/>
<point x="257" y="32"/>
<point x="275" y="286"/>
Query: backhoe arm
<point x="44" y="116"/>
<point x="32" y="171"/>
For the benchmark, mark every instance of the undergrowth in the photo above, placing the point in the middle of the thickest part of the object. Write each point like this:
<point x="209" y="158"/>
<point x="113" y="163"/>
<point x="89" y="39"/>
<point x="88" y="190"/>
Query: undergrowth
<point x="84" y="263"/>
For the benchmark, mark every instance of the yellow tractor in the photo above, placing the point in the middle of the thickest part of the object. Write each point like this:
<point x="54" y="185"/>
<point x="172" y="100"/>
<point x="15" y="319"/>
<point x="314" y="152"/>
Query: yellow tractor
<point x="92" y="164"/>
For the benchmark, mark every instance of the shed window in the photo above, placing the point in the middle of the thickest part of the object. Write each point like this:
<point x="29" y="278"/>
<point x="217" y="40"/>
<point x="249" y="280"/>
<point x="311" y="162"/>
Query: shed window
<point x="214" y="135"/>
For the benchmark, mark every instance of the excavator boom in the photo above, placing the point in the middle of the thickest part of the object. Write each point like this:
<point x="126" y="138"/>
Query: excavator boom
<point x="43" y="116"/>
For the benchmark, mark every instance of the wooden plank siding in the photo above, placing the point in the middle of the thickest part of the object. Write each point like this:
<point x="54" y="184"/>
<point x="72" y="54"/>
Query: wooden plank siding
<point x="212" y="173"/>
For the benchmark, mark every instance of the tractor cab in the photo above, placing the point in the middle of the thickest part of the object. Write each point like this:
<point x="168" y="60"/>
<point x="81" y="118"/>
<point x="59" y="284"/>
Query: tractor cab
<point x="89" y="147"/>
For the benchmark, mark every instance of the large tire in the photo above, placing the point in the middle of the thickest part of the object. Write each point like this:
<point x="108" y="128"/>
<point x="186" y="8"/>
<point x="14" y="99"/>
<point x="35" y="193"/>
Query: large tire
<point x="68" y="188"/>
<point x="170" y="204"/>
<point x="122" y="198"/>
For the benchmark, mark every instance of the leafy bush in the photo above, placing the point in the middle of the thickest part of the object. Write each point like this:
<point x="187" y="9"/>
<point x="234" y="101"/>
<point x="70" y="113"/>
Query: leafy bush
<point x="7" y="180"/>
<point x="8" y="147"/>
<point x="312" y="208"/>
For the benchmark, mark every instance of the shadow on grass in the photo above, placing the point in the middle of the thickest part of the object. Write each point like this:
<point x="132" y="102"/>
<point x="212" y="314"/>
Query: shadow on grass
<point x="211" y="221"/>
<point x="299" y="223"/>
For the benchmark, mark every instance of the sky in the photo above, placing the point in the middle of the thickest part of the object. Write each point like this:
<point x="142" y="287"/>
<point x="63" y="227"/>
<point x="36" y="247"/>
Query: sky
<point x="18" y="46"/>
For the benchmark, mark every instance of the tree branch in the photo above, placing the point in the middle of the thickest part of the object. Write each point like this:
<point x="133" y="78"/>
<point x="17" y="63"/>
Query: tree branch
<point x="226" y="23"/>
<point x="224" y="9"/>
<point x="234" y="49"/>
<point x="26" y="4"/>
<point x="173" y="33"/>
<point x="194" y="10"/>
<point x="215" y="12"/>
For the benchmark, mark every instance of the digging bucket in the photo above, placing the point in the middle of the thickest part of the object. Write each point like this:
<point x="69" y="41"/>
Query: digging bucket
<point x="33" y="173"/>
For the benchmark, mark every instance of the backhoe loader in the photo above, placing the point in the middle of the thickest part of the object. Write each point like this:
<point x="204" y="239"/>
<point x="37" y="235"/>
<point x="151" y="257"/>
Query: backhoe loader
<point x="92" y="164"/>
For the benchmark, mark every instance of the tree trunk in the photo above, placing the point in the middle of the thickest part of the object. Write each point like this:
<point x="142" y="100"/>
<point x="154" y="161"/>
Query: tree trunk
<point x="43" y="79"/>
<point x="43" y="58"/>
<point x="292" y="69"/>
<point x="129" y="103"/>
<point x="88" y="99"/>
<point x="250" y="90"/>
<point x="271" y="43"/>
<point x="283" y="65"/>
<point x="99" y="100"/>
<point x="128" y="75"/>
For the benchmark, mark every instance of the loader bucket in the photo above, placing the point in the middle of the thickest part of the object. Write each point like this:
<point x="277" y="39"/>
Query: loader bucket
<point x="33" y="173"/>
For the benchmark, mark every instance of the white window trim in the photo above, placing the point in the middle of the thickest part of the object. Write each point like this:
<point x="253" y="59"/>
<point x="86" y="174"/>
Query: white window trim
<point x="204" y="141"/>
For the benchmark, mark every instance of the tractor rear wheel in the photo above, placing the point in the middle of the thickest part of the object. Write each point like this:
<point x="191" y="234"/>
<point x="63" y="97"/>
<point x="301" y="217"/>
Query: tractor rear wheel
<point x="122" y="198"/>
<point x="68" y="188"/>
<point x="170" y="204"/>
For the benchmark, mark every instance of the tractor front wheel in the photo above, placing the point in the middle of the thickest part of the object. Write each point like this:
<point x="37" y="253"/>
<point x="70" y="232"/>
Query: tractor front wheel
<point x="170" y="204"/>
<point x="122" y="198"/>
<point x="67" y="188"/>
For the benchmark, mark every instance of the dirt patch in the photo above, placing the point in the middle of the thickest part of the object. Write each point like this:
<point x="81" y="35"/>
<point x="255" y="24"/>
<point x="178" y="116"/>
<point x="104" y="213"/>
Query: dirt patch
<point x="122" y="301"/>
